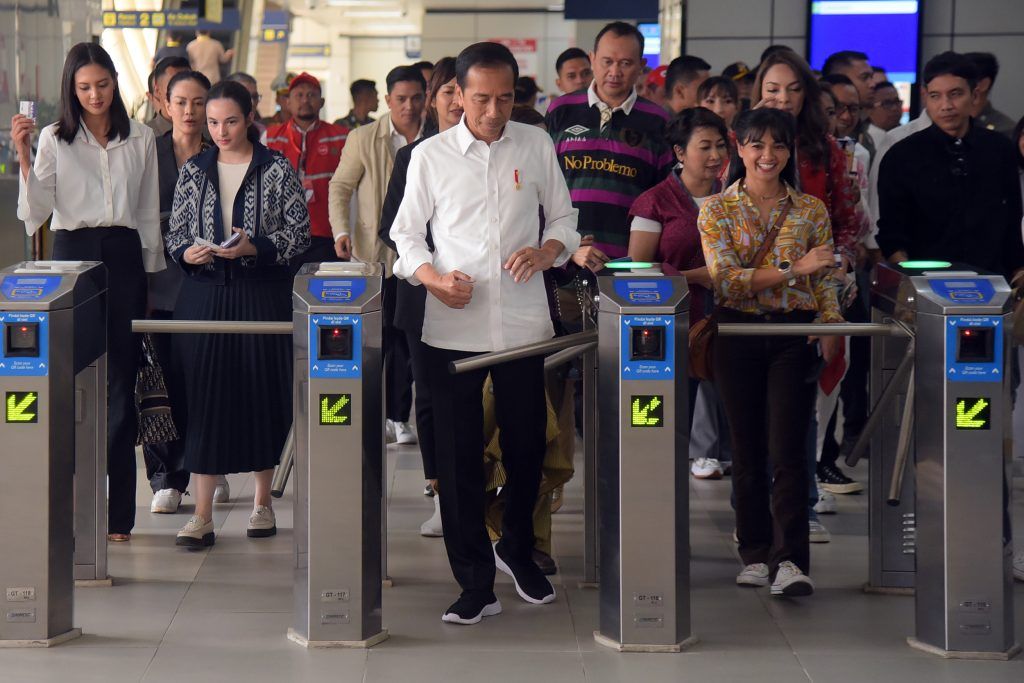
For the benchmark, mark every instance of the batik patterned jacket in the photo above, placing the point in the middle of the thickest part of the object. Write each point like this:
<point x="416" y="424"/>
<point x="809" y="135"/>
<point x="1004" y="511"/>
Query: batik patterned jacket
<point x="270" y="206"/>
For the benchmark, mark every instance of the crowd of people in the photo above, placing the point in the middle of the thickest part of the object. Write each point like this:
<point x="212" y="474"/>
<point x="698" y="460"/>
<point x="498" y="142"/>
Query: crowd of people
<point x="773" y="189"/>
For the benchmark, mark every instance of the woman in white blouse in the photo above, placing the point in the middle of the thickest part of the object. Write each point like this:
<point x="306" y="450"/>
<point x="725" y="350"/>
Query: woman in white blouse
<point x="95" y="171"/>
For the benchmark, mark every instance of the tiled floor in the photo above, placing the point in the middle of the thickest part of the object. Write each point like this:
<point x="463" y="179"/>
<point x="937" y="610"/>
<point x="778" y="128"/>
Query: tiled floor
<point x="221" y="615"/>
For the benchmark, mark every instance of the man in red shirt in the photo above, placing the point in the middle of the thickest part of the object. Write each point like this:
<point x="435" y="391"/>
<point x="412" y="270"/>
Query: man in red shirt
<point x="313" y="147"/>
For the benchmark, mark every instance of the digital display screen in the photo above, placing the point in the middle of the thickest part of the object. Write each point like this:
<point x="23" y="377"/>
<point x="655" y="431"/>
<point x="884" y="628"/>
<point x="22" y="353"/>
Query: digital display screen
<point x="22" y="407"/>
<point x="652" y="44"/>
<point x="647" y="411"/>
<point x="887" y="31"/>
<point x="336" y="410"/>
<point x="973" y="413"/>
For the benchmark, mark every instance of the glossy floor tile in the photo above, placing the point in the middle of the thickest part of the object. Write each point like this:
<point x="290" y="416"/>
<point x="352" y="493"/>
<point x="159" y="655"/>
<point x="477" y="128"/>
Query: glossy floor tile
<point x="222" y="614"/>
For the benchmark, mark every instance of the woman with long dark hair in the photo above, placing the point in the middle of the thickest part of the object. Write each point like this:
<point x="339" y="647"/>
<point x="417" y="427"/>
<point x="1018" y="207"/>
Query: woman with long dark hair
<point x="768" y="249"/>
<point x="96" y="172"/>
<point x="186" y="105"/>
<point x="239" y="214"/>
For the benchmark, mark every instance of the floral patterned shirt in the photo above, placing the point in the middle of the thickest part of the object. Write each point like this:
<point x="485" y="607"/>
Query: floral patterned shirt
<point x="732" y="232"/>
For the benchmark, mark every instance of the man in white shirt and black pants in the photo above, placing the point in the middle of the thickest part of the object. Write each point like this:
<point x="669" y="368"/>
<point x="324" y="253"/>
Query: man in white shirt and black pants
<point x="481" y="185"/>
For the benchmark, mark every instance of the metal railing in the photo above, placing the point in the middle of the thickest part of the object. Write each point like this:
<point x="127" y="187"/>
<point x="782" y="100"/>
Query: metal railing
<point x="893" y="329"/>
<point x="212" y="326"/>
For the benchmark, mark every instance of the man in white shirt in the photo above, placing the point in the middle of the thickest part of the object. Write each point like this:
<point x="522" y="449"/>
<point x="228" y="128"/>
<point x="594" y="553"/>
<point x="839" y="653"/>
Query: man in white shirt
<point x="481" y="186"/>
<point x="207" y="55"/>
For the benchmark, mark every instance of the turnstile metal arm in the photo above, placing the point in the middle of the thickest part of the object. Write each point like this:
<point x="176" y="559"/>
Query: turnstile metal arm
<point x="899" y="467"/>
<point x="212" y="326"/>
<point x="566" y="355"/>
<point x="888" y="394"/>
<point x="812" y="329"/>
<point x="486" y="360"/>
<point x="284" y="468"/>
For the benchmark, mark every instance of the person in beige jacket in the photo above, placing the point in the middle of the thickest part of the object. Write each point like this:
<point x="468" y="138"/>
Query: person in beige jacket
<point x="364" y="170"/>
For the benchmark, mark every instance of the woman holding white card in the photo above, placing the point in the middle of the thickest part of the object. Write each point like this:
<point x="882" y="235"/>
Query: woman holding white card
<point x="95" y="171"/>
<point x="238" y="387"/>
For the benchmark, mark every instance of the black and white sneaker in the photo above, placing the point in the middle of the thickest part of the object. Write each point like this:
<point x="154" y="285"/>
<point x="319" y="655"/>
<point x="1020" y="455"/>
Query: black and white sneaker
<point x="530" y="582"/>
<point x="790" y="581"/>
<point x="470" y="608"/>
<point x="832" y="479"/>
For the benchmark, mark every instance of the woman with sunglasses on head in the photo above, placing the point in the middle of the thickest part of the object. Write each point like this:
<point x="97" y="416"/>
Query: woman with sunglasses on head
<point x="239" y="214"/>
<point x="96" y="172"/>
<point x="769" y="251"/>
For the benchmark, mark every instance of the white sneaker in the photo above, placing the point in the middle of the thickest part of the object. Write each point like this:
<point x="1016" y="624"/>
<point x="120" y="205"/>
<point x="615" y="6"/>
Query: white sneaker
<point x="197" y="533"/>
<point x="165" y="501"/>
<point x="818" y="532"/>
<point x="389" y="431"/>
<point x="789" y="580"/>
<point x="222" y="494"/>
<point x="1018" y="566"/>
<point x="432" y="527"/>
<point x="404" y="435"/>
<point x="753" y="575"/>
<point x="826" y="504"/>
<point x="262" y="523"/>
<point x="706" y="468"/>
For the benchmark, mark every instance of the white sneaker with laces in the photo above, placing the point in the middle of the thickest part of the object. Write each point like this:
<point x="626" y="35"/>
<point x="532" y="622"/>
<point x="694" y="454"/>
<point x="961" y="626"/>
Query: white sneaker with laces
<point x="262" y="522"/>
<point x="197" y="533"/>
<point x="165" y="501"/>
<point x="1018" y="566"/>
<point x="432" y="527"/>
<point x="404" y="436"/>
<point x="826" y="504"/>
<point x="706" y="468"/>
<point x="753" y="575"/>
<point x="222" y="494"/>
<point x="789" y="580"/>
<point x="389" y="431"/>
<point x="818" y="533"/>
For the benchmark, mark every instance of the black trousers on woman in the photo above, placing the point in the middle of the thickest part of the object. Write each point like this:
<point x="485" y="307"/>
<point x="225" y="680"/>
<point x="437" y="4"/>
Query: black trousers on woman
<point x="768" y="389"/>
<point x="120" y="250"/>
<point x="521" y="412"/>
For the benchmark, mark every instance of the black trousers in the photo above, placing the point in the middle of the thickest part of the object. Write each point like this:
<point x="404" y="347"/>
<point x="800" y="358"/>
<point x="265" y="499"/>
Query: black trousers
<point x="763" y="382"/>
<point x="165" y="462"/>
<point x="121" y="252"/>
<point x="458" y="414"/>
<point x="397" y="365"/>
<point x="424" y="403"/>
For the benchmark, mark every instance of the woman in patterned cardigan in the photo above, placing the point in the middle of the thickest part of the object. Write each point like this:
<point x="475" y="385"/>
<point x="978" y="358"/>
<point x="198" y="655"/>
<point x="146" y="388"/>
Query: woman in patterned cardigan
<point x="239" y="214"/>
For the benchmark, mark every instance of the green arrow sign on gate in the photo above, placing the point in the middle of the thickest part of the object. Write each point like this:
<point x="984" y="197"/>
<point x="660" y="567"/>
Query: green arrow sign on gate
<point x="21" y="407"/>
<point x="973" y="413"/>
<point x="335" y="409"/>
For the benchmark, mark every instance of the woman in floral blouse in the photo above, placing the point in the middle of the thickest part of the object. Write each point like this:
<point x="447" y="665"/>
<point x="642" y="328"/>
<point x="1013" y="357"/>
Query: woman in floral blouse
<point x="768" y="383"/>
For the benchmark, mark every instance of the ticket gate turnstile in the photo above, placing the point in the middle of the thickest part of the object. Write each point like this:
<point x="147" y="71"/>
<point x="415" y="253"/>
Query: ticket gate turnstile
<point x="53" y="384"/>
<point x="643" y="485"/>
<point x="892" y="527"/>
<point x="339" y="455"/>
<point x="962" y="436"/>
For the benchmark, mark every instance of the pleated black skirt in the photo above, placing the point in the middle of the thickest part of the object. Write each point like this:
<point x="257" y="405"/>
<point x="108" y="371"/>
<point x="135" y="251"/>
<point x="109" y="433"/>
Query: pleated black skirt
<point x="238" y="387"/>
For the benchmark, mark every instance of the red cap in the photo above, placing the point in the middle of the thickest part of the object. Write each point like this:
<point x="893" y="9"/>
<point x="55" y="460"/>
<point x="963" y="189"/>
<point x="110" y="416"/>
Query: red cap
<point x="306" y="78"/>
<point x="657" y="76"/>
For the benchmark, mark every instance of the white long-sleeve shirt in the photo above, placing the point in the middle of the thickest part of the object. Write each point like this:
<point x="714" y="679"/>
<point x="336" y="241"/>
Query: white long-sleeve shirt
<point x="483" y="202"/>
<point x="85" y="185"/>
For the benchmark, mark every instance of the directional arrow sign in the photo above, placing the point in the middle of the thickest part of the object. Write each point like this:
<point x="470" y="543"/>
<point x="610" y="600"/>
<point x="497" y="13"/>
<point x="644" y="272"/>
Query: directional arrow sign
<point x="21" y="407"/>
<point x="647" y="411"/>
<point x="972" y="413"/>
<point x="335" y="409"/>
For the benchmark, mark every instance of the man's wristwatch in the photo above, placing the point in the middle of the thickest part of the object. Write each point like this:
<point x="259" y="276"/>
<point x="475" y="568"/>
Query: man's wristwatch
<point x="785" y="268"/>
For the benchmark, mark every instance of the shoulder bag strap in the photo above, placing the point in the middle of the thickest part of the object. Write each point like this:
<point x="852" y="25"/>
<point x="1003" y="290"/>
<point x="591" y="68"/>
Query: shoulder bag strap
<point x="769" y="240"/>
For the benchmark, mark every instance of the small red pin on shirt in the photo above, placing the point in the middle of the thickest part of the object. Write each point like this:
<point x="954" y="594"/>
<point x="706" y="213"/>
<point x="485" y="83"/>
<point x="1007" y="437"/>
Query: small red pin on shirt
<point x="518" y="185"/>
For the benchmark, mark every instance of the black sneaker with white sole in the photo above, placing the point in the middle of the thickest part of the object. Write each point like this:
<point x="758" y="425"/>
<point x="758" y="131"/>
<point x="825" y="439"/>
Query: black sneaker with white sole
<point x="530" y="582"/>
<point x="833" y="480"/>
<point x="470" y="608"/>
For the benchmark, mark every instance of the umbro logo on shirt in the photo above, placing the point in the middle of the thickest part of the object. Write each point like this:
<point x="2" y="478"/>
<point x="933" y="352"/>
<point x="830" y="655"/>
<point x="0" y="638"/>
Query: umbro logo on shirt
<point x="577" y="130"/>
